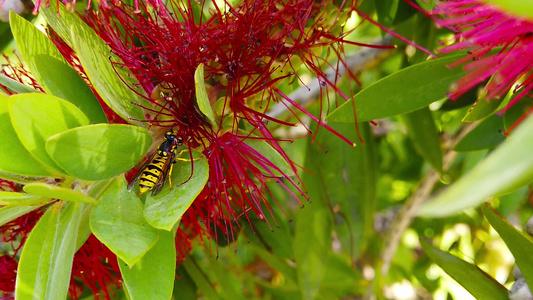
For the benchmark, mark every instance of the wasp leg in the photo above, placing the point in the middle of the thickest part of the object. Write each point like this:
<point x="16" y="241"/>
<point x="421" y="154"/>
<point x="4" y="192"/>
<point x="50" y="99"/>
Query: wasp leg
<point x="185" y="159"/>
<point x="170" y="173"/>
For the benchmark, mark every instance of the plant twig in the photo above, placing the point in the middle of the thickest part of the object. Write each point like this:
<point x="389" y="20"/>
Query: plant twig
<point x="409" y="210"/>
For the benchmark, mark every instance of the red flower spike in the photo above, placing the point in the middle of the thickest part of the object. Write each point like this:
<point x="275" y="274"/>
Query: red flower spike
<point x="481" y="28"/>
<point x="97" y="267"/>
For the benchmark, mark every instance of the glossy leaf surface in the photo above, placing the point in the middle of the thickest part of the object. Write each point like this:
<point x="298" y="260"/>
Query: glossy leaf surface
<point x="52" y="71"/>
<point x="117" y="221"/>
<point x="35" y="118"/>
<point x="153" y="276"/>
<point x="472" y="278"/>
<point x="165" y="209"/>
<point x="519" y="244"/>
<point x="14" y="158"/>
<point x="57" y="192"/>
<point x="21" y="199"/>
<point x="405" y="91"/>
<point x="507" y="168"/>
<point x="46" y="259"/>
<point x="98" y="152"/>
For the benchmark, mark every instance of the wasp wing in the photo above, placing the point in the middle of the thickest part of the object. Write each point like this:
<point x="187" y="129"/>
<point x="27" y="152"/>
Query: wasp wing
<point x="141" y="169"/>
<point x="160" y="183"/>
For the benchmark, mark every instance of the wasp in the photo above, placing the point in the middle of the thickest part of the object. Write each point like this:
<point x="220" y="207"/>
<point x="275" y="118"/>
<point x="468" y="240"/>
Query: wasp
<point x="153" y="173"/>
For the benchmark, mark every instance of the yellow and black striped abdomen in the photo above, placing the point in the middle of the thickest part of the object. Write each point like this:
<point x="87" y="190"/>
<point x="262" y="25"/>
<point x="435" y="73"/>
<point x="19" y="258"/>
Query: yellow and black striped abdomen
<point x="152" y="174"/>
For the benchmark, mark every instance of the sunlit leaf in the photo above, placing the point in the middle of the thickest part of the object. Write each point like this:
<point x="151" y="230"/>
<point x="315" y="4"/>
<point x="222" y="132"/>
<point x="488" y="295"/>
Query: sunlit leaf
<point x="10" y="213"/>
<point x="100" y="151"/>
<point x="117" y="221"/>
<point x="153" y="275"/>
<point x="472" y="278"/>
<point x="46" y="259"/>
<point x="21" y="199"/>
<point x="52" y="71"/>
<point x="14" y="158"/>
<point x="405" y="91"/>
<point x="519" y="244"/>
<point x="202" y="98"/>
<point x="165" y="209"/>
<point x="57" y="192"/>
<point x="36" y="117"/>
<point x="508" y="167"/>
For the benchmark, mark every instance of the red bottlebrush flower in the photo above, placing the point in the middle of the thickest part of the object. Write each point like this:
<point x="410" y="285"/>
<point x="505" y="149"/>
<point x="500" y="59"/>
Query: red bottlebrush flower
<point x="18" y="73"/>
<point x="247" y="50"/>
<point x="14" y="233"/>
<point x="97" y="267"/>
<point x="481" y="29"/>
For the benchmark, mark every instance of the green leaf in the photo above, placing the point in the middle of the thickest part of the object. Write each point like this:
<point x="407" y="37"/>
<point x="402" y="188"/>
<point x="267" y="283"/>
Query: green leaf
<point x="100" y="151"/>
<point x="21" y="199"/>
<point x="153" y="276"/>
<point x="46" y="259"/>
<point x="52" y="71"/>
<point x="202" y="99"/>
<point x="184" y="286"/>
<point x="165" y="209"/>
<point x="312" y="240"/>
<point x="271" y="155"/>
<point x="488" y="134"/>
<point x="508" y="167"/>
<point x="523" y="8"/>
<point x="109" y="81"/>
<point x="386" y="11"/>
<point x="518" y="110"/>
<point x="117" y="221"/>
<point x="423" y="132"/>
<point x="518" y="243"/>
<point x="57" y="192"/>
<point x="10" y="213"/>
<point x="405" y="91"/>
<point x="15" y="86"/>
<point x="200" y="279"/>
<point x="36" y="117"/>
<point x="345" y="177"/>
<point x="14" y="158"/>
<point x="481" y="109"/>
<point x="472" y="278"/>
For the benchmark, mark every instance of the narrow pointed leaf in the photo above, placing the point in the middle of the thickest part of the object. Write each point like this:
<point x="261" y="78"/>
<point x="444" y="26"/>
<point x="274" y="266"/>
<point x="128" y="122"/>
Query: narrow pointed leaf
<point x="46" y="259"/>
<point x="481" y="109"/>
<point x="153" y="276"/>
<point x="164" y="210"/>
<point x="14" y="158"/>
<point x="200" y="279"/>
<point x="10" y="213"/>
<point x="518" y="243"/>
<point x="108" y="80"/>
<point x="36" y="117"/>
<point x="52" y="71"/>
<point x="472" y="278"/>
<point x="201" y="96"/>
<point x="57" y="192"/>
<point x="117" y="221"/>
<point x="100" y="151"/>
<point x="15" y="86"/>
<point x="508" y="167"/>
<point x="424" y="134"/>
<point x="405" y="91"/>
<point x="488" y="134"/>
<point x="21" y="199"/>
